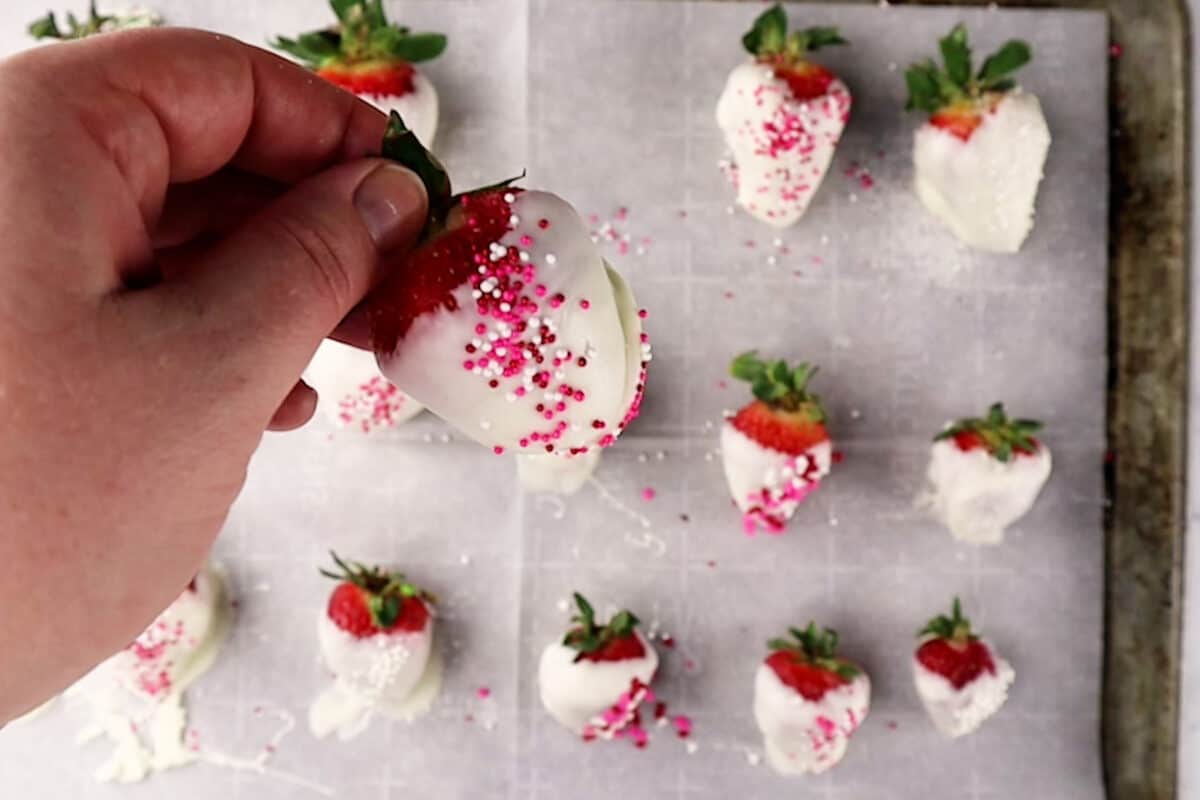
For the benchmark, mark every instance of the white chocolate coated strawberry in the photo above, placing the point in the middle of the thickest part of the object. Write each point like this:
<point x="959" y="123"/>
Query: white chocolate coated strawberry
<point x="768" y="485"/>
<point x="782" y="147"/>
<point x="576" y="693"/>
<point x="958" y="712"/>
<point x="802" y="736"/>
<point x="180" y="645"/>
<point x="396" y="674"/>
<point x="352" y="392"/>
<point x="978" y="496"/>
<point x="541" y="351"/>
<point x="985" y="188"/>
<point x="419" y="108"/>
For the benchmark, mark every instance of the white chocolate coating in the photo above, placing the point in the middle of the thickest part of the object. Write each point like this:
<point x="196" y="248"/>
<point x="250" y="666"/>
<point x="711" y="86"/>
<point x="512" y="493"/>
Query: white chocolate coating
<point x="958" y="712"/>
<point x="575" y="693"/>
<point x="782" y="147"/>
<point x="985" y="188"/>
<point x="431" y="364"/>
<point x="805" y="737"/>
<point x="397" y="674"/>
<point x="564" y="475"/>
<point x="976" y="496"/>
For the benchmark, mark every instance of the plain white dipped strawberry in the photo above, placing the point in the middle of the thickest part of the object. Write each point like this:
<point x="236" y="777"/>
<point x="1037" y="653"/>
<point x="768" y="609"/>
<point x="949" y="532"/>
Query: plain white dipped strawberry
<point x="47" y="27"/>
<point x="808" y="701"/>
<point x="506" y="321"/>
<point x="960" y="678"/>
<point x="782" y="115"/>
<point x="377" y="638"/>
<point x="984" y="474"/>
<point x="372" y="58"/>
<point x="594" y="679"/>
<point x="979" y="159"/>
<point x="351" y="391"/>
<point x="777" y="449"/>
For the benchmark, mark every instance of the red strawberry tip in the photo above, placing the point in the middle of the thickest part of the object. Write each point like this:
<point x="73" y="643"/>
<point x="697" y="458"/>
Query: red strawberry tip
<point x="996" y="433"/>
<point x="386" y="594"/>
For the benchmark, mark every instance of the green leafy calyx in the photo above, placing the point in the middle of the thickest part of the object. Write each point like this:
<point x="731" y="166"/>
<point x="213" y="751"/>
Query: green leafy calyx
<point x="363" y="33"/>
<point x="401" y="145"/>
<point x="588" y="637"/>
<point x="817" y="647"/>
<point x="769" y="39"/>
<point x="47" y="27"/>
<point x="932" y="88"/>
<point x="955" y="628"/>
<point x="779" y="385"/>
<point x="386" y="592"/>
<point x="1001" y="436"/>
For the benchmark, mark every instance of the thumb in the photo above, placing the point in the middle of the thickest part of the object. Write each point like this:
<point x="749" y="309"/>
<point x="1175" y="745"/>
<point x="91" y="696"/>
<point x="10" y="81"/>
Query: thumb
<point x="255" y="306"/>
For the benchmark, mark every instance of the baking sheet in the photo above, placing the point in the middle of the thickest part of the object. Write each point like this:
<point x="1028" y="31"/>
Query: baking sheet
<point x="610" y="104"/>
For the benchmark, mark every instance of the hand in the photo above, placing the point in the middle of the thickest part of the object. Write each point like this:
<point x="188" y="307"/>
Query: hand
<point x="184" y="219"/>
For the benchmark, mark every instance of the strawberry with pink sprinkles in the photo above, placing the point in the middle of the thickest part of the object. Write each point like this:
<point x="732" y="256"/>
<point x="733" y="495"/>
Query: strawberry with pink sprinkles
<point x="507" y="322"/>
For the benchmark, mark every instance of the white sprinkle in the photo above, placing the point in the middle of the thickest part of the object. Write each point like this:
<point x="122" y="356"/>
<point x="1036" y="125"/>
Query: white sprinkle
<point x="523" y="256"/>
<point x="692" y="747"/>
<point x="476" y="294"/>
<point x="824" y="239"/>
<point x="551" y="259"/>
<point x="729" y="210"/>
<point x="560" y="353"/>
<point x="509" y="197"/>
<point x="772" y="260"/>
<point x="496" y="294"/>
<point x="833" y="522"/>
<point x="464" y="559"/>
<point x="753" y="758"/>
<point x="427" y="438"/>
<point x="853" y="198"/>
<point x="708" y="425"/>
<point x="891" y="66"/>
<point x="514" y="220"/>
<point x="777" y="242"/>
<point x="660" y="455"/>
<point x="563" y="605"/>
<point x="485" y="425"/>
<point x="445" y="438"/>
<point x="708" y="456"/>
<point x="510" y="397"/>
<point x="855" y="413"/>
<point x="641" y="251"/>
<point x="505" y="307"/>
<point x="641" y="458"/>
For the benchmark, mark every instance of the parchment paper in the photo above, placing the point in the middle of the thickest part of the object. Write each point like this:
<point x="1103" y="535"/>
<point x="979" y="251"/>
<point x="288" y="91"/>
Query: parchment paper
<point x="610" y="103"/>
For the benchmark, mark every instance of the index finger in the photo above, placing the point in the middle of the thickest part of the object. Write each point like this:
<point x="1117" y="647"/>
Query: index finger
<point x="176" y="105"/>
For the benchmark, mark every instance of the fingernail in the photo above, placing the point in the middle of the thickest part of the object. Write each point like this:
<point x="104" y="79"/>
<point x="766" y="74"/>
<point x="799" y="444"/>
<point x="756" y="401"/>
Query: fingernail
<point x="392" y="203"/>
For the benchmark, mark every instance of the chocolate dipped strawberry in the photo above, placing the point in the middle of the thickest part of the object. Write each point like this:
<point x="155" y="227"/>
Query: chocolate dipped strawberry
<point x="777" y="448"/>
<point x="979" y="158"/>
<point x="783" y="115"/>
<point x="808" y="701"/>
<point x="376" y="637"/>
<point x="367" y="55"/>
<point x="984" y="474"/>
<point x="593" y="680"/>
<point x="960" y="678"/>
<point x="506" y="321"/>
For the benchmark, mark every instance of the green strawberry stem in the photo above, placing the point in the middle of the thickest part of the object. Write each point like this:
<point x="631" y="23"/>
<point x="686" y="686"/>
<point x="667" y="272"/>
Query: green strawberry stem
<point x="768" y="38"/>
<point x="588" y="637"/>
<point x="931" y="88"/>
<point x="1000" y="435"/>
<point x="817" y="647"/>
<point x="401" y="145"/>
<point x="779" y="385"/>
<point x="386" y="591"/>
<point x="363" y="33"/>
<point x="955" y="628"/>
<point x="47" y="26"/>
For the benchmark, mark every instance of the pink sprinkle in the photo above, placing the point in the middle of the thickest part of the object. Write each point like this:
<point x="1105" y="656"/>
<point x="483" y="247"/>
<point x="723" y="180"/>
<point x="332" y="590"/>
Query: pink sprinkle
<point x="728" y="295"/>
<point x="484" y="692"/>
<point x="498" y="450"/>
<point x="683" y="215"/>
<point x="689" y="664"/>
<point x="643" y="313"/>
<point x="1116" y="50"/>
<point x="585" y="305"/>
<point x="648" y="493"/>
<point x="683" y="726"/>
<point x="543" y="223"/>
<point x="622" y="213"/>
<point x="722" y="384"/>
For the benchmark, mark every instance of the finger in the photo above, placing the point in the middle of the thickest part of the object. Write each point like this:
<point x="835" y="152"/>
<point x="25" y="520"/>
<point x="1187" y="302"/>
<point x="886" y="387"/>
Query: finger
<point x="212" y="206"/>
<point x="296" y="409"/>
<point x="173" y="105"/>
<point x="252" y="310"/>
